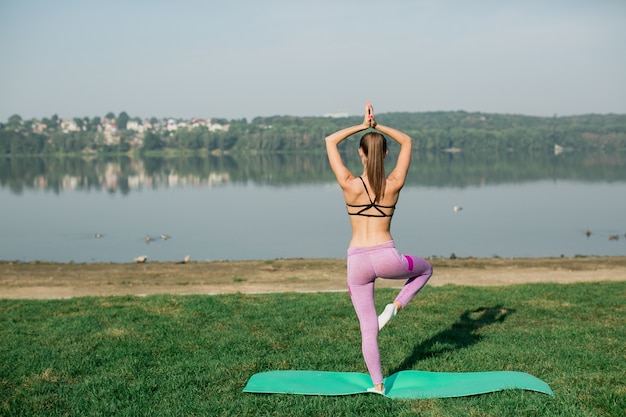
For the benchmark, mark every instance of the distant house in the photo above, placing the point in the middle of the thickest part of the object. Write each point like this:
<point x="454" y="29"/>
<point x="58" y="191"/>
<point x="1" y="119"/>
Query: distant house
<point x="196" y="122"/>
<point x="218" y="127"/>
<point x="109" y="130"/>
<point x="69" y="126"/>
<point x="172" y="125"/>
<point x="336" y="115"/>
<point x="135" y="126"/>
<point x="39" y="127"/>
<point x="108" y="125"/>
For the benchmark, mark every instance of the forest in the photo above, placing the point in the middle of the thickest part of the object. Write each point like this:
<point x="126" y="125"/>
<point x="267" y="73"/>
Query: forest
<point x="431" y="131"/>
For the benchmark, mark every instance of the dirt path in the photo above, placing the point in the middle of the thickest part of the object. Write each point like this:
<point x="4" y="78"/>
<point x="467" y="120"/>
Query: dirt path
<point x="50" y="280"/>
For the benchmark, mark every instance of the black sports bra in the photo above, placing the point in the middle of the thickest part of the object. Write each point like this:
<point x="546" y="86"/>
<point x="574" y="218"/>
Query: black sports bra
<point x="372" y="205"/>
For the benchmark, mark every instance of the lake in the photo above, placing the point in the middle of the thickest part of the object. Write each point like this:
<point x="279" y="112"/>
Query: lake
<point x="289" y="206"/>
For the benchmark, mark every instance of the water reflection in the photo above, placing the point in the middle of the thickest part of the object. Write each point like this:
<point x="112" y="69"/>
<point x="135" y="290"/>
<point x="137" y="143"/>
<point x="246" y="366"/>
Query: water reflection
<point x="124" y="174"/>
<point x="289" y="205"/>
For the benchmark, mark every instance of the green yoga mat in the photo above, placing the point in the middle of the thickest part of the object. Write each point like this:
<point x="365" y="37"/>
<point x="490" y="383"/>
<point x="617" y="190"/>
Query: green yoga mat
<point x="403" y="384"/>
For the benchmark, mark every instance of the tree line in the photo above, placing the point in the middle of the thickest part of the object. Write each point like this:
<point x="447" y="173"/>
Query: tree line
<point x="431" y="131"/>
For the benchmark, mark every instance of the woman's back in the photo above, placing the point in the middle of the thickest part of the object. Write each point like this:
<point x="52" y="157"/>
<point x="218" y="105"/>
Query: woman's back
<point x="370" y="219"/>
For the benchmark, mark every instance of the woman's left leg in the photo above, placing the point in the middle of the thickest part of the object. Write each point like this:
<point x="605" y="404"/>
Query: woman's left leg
<point x="397" y="266"/>
<point x="422" y="270"/>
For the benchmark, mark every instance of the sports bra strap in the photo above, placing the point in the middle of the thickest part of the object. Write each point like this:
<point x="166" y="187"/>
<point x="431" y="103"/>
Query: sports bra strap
<point x="372" y="204"/>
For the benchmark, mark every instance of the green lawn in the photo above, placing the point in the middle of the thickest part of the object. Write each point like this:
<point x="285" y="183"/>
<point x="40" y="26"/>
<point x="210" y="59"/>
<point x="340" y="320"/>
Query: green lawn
<point x="192" y="355"/>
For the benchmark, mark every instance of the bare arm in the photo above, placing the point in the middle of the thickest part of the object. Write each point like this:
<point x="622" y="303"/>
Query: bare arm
<point x="401" y="169"/>
<point x="342" y="173"/>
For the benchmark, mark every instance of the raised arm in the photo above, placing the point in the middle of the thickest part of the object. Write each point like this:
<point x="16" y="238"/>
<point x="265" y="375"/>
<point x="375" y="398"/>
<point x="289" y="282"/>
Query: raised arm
<point x="342" y="173"/>
<point x="401" y="169"/>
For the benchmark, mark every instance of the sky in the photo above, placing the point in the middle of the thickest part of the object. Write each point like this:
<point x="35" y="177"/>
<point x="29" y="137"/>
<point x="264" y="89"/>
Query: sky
<point x="241" y="59"/>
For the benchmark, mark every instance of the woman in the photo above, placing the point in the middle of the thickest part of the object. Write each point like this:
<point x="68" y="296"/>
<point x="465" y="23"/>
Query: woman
<point x="370" y="201"/>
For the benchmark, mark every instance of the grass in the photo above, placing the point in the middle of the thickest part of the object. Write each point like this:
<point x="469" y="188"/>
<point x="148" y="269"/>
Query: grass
<point x="192" y="355"/>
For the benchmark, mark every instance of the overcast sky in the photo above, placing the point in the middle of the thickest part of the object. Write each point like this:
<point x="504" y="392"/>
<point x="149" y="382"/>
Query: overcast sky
<point x="236" y="59"/>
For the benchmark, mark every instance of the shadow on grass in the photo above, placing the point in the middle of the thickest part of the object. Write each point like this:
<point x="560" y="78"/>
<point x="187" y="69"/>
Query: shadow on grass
<point x="462" y="334"/>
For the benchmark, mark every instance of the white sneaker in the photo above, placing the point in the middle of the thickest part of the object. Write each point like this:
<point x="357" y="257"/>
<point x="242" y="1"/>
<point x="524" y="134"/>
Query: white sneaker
<point x="388" y="313"/>
<point x="375" y="391"/>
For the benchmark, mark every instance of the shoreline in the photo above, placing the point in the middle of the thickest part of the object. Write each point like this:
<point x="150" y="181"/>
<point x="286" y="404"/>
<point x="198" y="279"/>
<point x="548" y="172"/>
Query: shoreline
<point x="43" y="280"/>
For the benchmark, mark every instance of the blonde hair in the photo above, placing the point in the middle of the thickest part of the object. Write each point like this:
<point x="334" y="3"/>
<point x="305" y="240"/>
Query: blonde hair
<point x="374" y="146"/>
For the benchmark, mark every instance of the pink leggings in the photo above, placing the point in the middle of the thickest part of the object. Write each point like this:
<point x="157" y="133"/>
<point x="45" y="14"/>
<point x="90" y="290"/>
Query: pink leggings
<point x="365" y="264"/>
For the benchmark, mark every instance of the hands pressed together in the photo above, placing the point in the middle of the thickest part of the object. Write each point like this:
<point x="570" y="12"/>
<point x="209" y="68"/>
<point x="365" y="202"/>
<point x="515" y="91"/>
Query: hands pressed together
<point x="368" y="119"/>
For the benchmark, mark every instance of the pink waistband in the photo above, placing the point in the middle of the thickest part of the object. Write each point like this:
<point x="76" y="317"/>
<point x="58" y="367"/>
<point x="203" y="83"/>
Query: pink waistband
<point x="361" y="249"/>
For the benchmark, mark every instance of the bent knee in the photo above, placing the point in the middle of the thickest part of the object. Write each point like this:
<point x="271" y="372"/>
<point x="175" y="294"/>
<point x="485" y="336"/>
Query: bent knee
<point x="418" y="265"/>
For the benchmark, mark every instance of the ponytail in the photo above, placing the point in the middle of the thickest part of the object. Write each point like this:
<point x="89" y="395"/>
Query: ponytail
<point x="374" y="147"/>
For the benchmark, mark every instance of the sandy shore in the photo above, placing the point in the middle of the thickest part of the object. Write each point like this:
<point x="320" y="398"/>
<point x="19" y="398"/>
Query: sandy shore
<point x="38" y="280"/>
